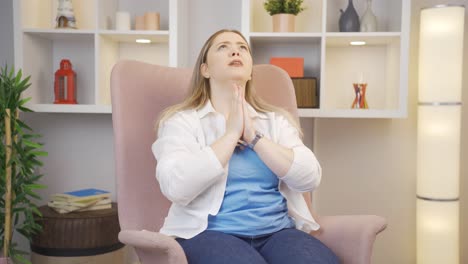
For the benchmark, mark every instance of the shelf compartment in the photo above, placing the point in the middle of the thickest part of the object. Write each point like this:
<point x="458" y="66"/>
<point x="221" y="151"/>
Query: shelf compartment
<point x="285" y="38"/>
<point x="388" y="13"/>
<point x="310" y="20"/>
<point x="131" y="36"/>
<point x="60" y="34"/>
<point x="42" y="53"/>
<point x="349" y="113"/>
<point x="377" y="64"/>
<point x="115" y="46"/>
<point x="108" y="9"/>
<point x="41" y="14"/>
<point x="308" y="48"/>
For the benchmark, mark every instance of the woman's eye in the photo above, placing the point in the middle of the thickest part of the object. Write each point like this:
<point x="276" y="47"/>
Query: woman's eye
<point x="222" y="46"/>
<point x="244" y="47"/>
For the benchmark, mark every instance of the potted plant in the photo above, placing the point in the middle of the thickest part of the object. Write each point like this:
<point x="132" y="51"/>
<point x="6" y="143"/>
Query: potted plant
<point x="283" y="13"/>
<point x="19" y="153"/>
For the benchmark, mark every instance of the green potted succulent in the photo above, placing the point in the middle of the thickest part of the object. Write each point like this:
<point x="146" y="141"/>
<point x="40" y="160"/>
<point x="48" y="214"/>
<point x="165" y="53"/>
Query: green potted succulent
<point x="19" y="158"/>
<point x="284" y="13"/>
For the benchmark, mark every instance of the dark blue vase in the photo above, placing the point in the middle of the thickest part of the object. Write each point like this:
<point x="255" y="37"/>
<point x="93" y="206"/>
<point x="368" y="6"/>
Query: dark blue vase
<point x="349" y="19"/>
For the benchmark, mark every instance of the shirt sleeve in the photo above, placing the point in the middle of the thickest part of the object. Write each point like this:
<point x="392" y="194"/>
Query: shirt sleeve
<point x="305" y="172"/>
<point x="184" y="168"/>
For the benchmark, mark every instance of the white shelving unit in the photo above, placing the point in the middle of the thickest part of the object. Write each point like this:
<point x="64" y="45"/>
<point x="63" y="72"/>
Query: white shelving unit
<point x="93" y="48"/>
<point x="328" y="55"/>
<point x="96" y="46"/>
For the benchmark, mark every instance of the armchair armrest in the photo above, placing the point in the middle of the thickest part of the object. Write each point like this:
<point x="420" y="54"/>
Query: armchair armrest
<point x="153" y="246"/>
<point x="350" y="237"/>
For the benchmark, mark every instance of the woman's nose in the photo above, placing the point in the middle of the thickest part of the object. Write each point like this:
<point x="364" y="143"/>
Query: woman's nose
<point x="235" y="53"/>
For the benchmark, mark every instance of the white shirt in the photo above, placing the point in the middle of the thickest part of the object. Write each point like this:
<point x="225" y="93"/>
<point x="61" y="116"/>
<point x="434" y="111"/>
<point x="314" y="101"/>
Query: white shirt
<point x="193" y="179"/>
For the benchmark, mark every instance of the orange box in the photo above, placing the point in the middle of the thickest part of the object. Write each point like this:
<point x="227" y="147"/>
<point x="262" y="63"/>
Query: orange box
<point x="293" y="66"/>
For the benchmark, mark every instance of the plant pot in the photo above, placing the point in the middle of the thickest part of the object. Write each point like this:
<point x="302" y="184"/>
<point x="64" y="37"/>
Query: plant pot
<point x="5" y="260"/>
<point x="283" y="23"/>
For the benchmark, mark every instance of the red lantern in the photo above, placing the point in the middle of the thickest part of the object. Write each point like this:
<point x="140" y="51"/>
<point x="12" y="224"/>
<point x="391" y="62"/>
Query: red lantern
<point x="65" y="84"/>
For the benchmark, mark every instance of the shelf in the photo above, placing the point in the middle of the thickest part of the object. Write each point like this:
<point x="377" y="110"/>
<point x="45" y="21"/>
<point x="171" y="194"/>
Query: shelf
<point x="371" y="39"/>
<point x="350" y="113"/>
<point x="389" y="13"/>
<point x="60" y="34"/>
<point x="328" y="55"/>
<point x="94" y="47"/>
<point x="131" y="36"/>
<point x="285" y="38"/>
<point x="65" y="108"/>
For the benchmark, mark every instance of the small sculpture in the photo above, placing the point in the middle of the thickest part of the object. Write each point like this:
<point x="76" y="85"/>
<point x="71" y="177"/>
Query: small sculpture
<point x="360" y="101"/>
<point x="65" y="15"/>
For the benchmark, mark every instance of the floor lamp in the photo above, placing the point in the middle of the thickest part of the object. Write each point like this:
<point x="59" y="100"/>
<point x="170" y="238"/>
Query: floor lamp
<point x="438" y="134"/>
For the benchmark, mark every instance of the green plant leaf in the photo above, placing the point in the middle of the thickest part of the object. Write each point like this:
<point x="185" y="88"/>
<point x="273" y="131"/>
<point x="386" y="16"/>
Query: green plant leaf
<point x="40" y="153"/>
<point x="24" y="160"/>
<point x="31" y="144"/>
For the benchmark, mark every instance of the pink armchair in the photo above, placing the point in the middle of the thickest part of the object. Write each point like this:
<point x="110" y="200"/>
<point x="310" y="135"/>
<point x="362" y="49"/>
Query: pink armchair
<point x="139" y="92"/>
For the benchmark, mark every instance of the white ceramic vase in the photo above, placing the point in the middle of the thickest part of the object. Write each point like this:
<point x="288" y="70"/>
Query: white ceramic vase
<point x="368" y="20"/>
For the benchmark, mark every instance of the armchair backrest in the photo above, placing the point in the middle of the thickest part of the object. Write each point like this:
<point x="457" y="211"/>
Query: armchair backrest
<point x="140" y="91"/>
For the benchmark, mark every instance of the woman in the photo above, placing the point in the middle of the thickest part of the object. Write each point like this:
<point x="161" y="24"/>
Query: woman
<point x="234" y="168"/>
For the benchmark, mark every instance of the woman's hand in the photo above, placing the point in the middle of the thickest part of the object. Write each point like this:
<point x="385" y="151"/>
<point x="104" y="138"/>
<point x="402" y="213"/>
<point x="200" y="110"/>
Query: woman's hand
<point x="235" y="120"/>
<point x="249" y="129"/>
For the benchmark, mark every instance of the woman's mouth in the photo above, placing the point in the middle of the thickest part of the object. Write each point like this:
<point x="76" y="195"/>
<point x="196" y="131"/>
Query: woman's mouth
<point x="236" y="63"/>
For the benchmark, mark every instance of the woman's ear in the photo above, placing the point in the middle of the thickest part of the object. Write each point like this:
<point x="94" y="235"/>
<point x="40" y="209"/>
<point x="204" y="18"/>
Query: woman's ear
<point x="204" y="70"/>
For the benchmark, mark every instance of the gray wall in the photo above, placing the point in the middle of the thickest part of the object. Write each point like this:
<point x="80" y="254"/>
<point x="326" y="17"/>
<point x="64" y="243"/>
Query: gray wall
<point x="6" y="32"/>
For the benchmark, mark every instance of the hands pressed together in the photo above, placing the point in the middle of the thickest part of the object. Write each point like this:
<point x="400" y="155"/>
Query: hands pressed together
<point x="239" y="122"/>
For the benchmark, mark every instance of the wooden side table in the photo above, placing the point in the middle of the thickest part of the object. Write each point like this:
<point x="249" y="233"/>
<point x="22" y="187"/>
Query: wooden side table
<point x="81" y="237"/>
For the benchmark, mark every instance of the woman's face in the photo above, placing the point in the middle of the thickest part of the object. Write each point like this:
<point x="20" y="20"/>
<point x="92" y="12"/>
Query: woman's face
<point x="228" y="59"/>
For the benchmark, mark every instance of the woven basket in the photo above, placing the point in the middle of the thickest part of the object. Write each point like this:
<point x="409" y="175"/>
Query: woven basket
<point x="77" y="234"/>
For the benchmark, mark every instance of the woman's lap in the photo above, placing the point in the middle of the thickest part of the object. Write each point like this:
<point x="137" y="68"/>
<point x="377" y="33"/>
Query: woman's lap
<point x="295" y="246"/>
<point x="285" y="246"/>
<point x="216" y="247"/>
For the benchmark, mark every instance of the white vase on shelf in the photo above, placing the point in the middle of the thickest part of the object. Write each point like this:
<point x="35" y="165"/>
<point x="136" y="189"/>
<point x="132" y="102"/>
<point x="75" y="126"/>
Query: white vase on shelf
<point x="368" y="20"/>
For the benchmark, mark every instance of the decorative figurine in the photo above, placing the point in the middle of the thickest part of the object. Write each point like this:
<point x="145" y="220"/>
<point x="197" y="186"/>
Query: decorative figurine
<point x="360" y="101"/>
<point x="65" y="15"/>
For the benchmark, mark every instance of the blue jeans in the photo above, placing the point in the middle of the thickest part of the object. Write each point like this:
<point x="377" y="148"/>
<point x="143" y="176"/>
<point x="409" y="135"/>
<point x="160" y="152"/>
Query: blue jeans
<point x="285" y="246"/>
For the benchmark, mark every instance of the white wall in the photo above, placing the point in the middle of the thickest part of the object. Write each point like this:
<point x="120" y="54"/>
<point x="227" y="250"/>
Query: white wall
<point x="369" y="165"/>
<point x="207" y="17"/>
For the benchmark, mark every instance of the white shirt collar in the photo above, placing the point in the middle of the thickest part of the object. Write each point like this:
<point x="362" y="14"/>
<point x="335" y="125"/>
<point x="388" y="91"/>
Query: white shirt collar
<point x="208" y="108"/>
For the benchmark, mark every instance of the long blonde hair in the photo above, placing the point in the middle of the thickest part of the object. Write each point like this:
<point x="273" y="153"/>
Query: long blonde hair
<point x="201" y="90"/>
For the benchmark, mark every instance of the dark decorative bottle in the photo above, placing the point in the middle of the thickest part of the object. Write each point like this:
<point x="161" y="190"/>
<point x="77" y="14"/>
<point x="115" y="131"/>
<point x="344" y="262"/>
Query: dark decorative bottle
<point x="349" y="19"/>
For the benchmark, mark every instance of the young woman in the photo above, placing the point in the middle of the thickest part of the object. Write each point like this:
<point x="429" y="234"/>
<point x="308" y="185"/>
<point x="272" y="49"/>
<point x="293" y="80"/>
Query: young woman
<point x="234" y="168"/>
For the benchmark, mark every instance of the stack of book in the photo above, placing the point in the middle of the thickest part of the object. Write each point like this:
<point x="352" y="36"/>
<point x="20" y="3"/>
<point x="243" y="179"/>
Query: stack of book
<point x="80" y="201"/>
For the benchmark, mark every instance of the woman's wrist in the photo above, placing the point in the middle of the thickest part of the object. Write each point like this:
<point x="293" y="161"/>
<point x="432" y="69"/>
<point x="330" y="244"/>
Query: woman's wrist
<point x="256" y="138"/>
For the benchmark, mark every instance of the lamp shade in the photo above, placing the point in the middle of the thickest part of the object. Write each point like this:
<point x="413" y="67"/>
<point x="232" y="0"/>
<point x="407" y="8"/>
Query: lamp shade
<point x="438" y="142"/>
<point x="438" y="151"/>
<point x="437" y="232"/>
<point x="441" y="54"/>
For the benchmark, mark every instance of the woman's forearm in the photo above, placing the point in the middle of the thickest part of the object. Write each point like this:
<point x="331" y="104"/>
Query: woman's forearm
<point x="224" y="147"/>
<point x="275" y="156"/>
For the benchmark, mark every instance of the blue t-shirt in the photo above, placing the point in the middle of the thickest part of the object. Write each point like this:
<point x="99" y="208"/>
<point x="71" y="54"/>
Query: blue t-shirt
<point x="252" y="203"/>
